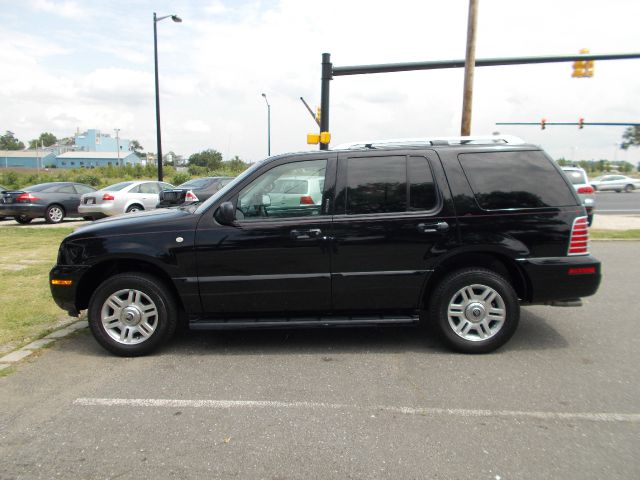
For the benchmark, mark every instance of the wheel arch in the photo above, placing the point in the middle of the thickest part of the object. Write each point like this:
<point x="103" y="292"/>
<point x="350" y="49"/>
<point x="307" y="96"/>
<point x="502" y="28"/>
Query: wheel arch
<point x="496" y="262"/>
<point x="101" y="271"/>
<point x="132" y="203"/>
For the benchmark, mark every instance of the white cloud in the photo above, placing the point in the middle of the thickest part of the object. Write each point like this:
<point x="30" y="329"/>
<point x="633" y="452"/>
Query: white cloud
<point x="67" y="9"/>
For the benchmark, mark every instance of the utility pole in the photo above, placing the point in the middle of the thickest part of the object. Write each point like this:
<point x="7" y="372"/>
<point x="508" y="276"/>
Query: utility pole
<point x="469" y="67"/>
<point x="117" y="130"/>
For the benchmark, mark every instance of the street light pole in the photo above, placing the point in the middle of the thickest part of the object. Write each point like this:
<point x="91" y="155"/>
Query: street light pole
<point x="268" y="125"/>
<point x="156" y="19"/>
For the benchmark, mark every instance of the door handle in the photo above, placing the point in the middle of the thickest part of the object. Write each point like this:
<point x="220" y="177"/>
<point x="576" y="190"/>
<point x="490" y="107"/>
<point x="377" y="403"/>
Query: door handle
<point x="433" y="227"/>
<point x="305" y="234"/>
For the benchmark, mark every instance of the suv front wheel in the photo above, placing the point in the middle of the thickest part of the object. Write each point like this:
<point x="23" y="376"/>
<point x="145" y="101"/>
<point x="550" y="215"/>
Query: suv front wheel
<point x="475" y="310"/>
<point x="131" y="314"/>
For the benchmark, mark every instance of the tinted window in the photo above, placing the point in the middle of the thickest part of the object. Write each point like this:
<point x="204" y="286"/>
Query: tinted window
<point x="515" y="180"/>
<point x="422" y="191"/>
<point x="66" y="189"/>
<point x="376" y="185"/>
<point x="39" y="188"/>
<point x="197" y="183"/>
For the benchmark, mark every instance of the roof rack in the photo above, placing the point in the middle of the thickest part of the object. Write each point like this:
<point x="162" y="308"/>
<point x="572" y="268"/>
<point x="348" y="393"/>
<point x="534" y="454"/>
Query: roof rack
<point x="397" y="142"/>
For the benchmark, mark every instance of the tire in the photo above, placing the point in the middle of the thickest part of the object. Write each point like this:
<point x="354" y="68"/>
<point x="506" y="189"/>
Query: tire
<point x="629" y="188"/>
<point x="22" y="219"/>
<point x="54" y="214"/>
<point x="134" y="208"/>
<point x="117" y="311"/>
<point x="463" y="317"/>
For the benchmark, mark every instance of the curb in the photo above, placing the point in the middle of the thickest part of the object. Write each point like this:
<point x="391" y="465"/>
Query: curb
<point x="22" y="353"/>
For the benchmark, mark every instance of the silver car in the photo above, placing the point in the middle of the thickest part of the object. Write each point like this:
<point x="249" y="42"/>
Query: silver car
<point x="616" y="183"/>
<point x="123" y="197"/>
<point x="585" y="191"/>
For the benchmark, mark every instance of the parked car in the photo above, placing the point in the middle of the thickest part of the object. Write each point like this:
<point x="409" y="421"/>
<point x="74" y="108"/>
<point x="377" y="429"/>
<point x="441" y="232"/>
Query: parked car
<point x="578" y="178"/>
<point x="54" y="201"/>
<point x="196" y="190"/>
<point x="2" y="190"/>
<point x="616" y="183"/>
<point x="459" y="232"/>
<point x="123" y="197"/>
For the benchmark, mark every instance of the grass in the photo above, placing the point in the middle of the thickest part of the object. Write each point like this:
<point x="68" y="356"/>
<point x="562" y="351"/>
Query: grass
<point x="27" y="310"/>
<point x="614" y="234"/>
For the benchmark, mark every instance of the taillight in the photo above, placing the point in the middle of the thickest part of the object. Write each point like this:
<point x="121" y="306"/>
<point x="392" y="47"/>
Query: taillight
<point x="307" y="200"/>
<point x="27" y="197"/>
<point x="587" y="189"/>
<point x="108" y="196"/>
<point x="579" y="241"/>
<point x="190" y="197"/>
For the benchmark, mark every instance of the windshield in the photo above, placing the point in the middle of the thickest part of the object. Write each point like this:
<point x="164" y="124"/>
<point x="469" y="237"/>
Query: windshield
<point x="196" y="183"/>
<point x="38" y="188"/>
<point x="576" y="176"/>
<point x="213" y="198"/>
<point x="117" y="186"/>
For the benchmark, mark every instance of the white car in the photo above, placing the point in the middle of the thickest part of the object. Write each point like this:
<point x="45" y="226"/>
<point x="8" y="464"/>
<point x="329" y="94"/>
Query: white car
<point x="123" y="197"/>
<point x="616" y="183"/>
<point x="578" y="178"/>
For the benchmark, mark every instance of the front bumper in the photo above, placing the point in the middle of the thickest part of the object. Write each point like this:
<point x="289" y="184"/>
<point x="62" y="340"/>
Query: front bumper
<point x="63" y="292"/>
<point x="561" y="278"/>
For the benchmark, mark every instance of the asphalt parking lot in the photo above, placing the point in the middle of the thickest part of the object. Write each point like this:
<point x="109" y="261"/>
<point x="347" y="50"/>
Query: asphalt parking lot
<point x="561" y="400"/>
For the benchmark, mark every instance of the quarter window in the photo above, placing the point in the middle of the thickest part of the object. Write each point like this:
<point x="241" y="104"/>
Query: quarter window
<point x="528" y="179"/>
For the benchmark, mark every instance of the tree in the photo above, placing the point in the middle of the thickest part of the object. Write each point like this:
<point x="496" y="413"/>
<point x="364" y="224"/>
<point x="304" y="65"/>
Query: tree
<point x="236" y="163"/>
<point x="9" y="142"/>
<point x="211" y="159"/>
<point x="45" y="139"/>
<point x="630" y="138"/>
<point x="136" y="147"/>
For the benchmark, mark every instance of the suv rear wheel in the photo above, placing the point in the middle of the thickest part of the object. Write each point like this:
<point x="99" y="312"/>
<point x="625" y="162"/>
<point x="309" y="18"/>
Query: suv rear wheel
<point x="475" y="310"/>
<point x="132" y="314"/>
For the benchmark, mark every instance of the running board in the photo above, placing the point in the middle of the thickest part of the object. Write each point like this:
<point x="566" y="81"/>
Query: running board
<point x="302" y="322"/>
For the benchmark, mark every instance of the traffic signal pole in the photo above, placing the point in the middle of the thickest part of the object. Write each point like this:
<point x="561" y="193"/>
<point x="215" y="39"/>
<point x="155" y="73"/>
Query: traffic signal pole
<point x="329" y="71"/>
<point x="327" y="76"/>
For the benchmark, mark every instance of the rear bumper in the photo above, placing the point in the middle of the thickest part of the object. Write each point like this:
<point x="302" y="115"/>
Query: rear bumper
<point x="101" y="209"/>
<point x="26" y="209"/>
<point x="65" y="295"/>
<point x="561" y="278"/>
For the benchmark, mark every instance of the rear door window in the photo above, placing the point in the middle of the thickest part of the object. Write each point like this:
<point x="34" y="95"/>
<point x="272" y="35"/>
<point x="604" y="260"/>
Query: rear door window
<point x="513" y="180"/>
<point x="389" y="184"/>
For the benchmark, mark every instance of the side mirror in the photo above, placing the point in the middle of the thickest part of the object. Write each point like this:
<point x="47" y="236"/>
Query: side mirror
<point x="226" y="213"/>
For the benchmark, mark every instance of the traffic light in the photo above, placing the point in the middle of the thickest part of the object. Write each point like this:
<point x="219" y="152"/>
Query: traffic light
<point x="583" y="68"/>
<point x="581" y="122"/>
<point x="588" y="68"/>
<point x="543" y="123"/>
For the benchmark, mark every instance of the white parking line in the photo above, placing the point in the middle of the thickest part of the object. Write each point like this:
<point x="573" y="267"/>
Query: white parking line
<point x="456" y="412"/>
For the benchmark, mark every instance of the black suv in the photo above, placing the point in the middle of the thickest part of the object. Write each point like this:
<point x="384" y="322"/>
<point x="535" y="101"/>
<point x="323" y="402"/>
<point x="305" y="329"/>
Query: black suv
<point x="458" y="232"/>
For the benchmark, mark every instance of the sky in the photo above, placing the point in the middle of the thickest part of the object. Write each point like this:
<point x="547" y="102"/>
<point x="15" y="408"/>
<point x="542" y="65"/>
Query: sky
<point x="68" y="65"/>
